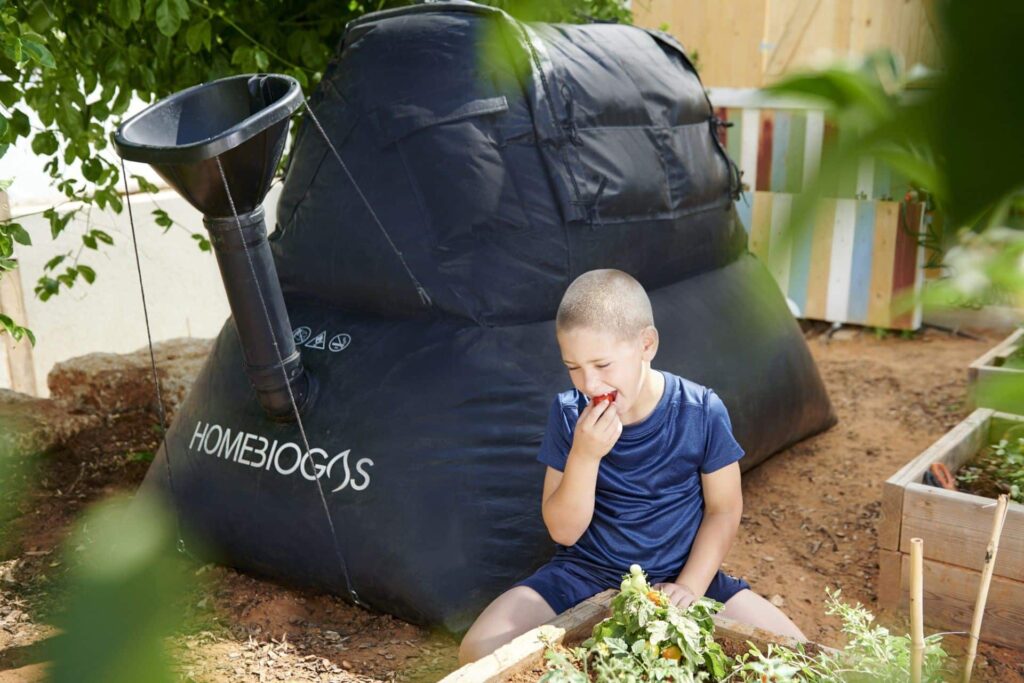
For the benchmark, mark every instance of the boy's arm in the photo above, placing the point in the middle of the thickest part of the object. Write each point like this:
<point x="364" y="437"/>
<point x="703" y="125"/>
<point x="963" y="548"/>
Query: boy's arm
<point x="723" y="507"/>
<point x="568" y="503"/>
<point x="568" y="499"/>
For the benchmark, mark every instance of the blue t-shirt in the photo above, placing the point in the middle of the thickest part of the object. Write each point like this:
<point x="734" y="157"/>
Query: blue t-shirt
<point x="649" y="502"/>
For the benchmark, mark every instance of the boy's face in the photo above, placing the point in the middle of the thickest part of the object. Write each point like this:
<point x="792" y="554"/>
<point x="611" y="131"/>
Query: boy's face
<point x="600" y="362"/>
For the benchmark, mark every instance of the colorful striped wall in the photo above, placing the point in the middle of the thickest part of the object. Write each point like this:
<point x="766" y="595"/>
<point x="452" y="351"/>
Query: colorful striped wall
<point x="859" y="263"/>
<point x="861" y="259"/>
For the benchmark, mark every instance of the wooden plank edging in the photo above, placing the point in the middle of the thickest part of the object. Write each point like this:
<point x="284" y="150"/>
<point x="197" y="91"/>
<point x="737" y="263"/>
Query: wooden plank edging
<point x="520" y="654"/>
<point x="982" y="372"/>
<point x="956" y="527"/>
<point x="1000" y="350"/>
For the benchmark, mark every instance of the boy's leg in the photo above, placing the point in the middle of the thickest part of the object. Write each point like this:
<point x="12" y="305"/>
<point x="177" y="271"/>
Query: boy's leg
<point x="750" y="608"/>
<point x="512" y="614"/>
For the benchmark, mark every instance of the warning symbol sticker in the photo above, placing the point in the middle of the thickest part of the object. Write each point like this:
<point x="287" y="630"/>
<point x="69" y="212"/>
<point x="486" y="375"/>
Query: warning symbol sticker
<point x="339" y="342"/>
<point x="301" y="334"/>
<point x="318" y="342"/>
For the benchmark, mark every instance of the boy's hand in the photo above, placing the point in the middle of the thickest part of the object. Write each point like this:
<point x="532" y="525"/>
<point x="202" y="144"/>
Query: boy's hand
<point x="597" y="430"/>
<point x="680" y="595"/>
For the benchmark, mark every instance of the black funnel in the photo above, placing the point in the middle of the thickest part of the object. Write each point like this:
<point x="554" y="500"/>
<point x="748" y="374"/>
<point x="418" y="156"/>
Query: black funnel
<point x="243" y="122"/>
<point x="241" y="119"/>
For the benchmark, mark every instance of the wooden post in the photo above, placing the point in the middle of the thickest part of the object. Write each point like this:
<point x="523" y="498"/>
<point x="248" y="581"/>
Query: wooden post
<point x="986" y="579"/>
<point x="916" y="608"/>
<point x="20" y="364"/>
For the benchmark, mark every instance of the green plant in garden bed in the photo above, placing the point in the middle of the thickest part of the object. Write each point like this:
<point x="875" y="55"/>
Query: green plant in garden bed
<point x="998" y="469"/>
<point x="649" y="639"/>
<point x="646" y="638"/>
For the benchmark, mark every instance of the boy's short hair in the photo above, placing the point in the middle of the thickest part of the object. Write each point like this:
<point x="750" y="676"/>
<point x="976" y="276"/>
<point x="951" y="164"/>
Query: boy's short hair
<point x="606" y="300"/>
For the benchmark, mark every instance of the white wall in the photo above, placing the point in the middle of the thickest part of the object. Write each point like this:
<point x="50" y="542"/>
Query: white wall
<point x="184" y="292"/>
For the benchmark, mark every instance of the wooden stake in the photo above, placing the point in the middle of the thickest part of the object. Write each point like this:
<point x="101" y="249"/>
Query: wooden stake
<point x="916" y="608"/>
<point x="986" y="579"/>
<point x="20" y="365"/>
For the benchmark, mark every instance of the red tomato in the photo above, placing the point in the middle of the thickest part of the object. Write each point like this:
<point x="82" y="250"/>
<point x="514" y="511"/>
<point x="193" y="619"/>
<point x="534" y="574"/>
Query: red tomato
<point x="605" y="397"/>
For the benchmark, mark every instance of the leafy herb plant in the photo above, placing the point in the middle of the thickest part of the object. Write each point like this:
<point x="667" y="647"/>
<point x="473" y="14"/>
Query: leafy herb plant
<point x="872" y="655"/>
<point x="646" y="639"/>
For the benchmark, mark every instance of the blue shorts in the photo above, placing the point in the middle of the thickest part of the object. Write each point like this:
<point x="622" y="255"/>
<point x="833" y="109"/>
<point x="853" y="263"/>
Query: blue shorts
<point x="564" y="584"/>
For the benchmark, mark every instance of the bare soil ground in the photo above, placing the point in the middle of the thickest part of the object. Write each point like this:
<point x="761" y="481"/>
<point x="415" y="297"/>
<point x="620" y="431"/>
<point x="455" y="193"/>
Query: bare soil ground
<point x="811" y="514"/>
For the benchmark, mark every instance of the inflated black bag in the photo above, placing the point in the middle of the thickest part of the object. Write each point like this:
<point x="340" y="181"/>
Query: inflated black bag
<point x="497" y="177"/>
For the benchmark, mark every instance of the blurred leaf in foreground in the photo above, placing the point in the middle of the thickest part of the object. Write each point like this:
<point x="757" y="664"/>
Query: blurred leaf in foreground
<point x="122" y="596"/>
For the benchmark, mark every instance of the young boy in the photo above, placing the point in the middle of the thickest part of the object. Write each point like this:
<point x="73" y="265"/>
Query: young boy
<point x="647" y="474"/>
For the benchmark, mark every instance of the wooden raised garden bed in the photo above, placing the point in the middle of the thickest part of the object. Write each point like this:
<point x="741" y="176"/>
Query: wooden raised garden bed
<point x="989" y="372"/>
<point x="956" y="527"/>
<point x="526" y="652"/>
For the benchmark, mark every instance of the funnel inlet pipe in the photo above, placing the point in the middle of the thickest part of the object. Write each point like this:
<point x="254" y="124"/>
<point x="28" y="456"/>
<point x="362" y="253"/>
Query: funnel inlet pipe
<point x="218" y="144"/>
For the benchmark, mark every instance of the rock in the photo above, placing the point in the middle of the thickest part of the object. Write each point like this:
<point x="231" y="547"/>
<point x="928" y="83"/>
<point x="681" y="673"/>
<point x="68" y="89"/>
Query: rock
<point x="31" y="425"/>
<point x="845" y="334"/>
<point x="778" y="601"/>
<point x="107" y="383"/>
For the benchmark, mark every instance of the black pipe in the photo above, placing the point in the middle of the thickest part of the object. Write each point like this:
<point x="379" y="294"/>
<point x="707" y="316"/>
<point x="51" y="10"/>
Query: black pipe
<point x="251" y="283"/>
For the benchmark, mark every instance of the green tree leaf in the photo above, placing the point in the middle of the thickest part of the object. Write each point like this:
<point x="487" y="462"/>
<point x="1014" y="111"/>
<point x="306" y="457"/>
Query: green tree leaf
<point x="54" y="262"/>
<point x="261" y="59"/>
<point x="241" y="56"/>
<point x="313" y="53"/>
<point x="19" y="234"/>
<point x="199" y="36"/>
<point x="92" y="168"/>
<point x="36" y="50"/>
<point x="145" y="185"/>
<point x="201" y="242"/>
<point x="44" y="143"/>
<point x="124" y="12"/>
<point x="103" y="237"/>
<point x="39" y="17"/>
<point x="11" y="45"/>
<point x="67" y="278"/>
<point x="99" y="110"/>
<point x="162" y="219"/>
<point x="57" y="222"/>
<point x="6" y="324"/>
<point x="20" y="123"/>
<point x="9" y="94"/>
<point x="46" y="287"/>
<point x="169" y="15"/>
<point x="87" y="273"/>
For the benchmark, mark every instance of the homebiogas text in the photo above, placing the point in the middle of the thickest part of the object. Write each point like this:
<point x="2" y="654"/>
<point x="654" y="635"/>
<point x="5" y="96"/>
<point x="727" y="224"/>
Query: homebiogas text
<point x="284" y="457"/>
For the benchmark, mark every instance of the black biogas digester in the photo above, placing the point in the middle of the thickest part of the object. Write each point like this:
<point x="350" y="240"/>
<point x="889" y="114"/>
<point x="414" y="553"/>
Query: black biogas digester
<point x="369" y="418"/>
